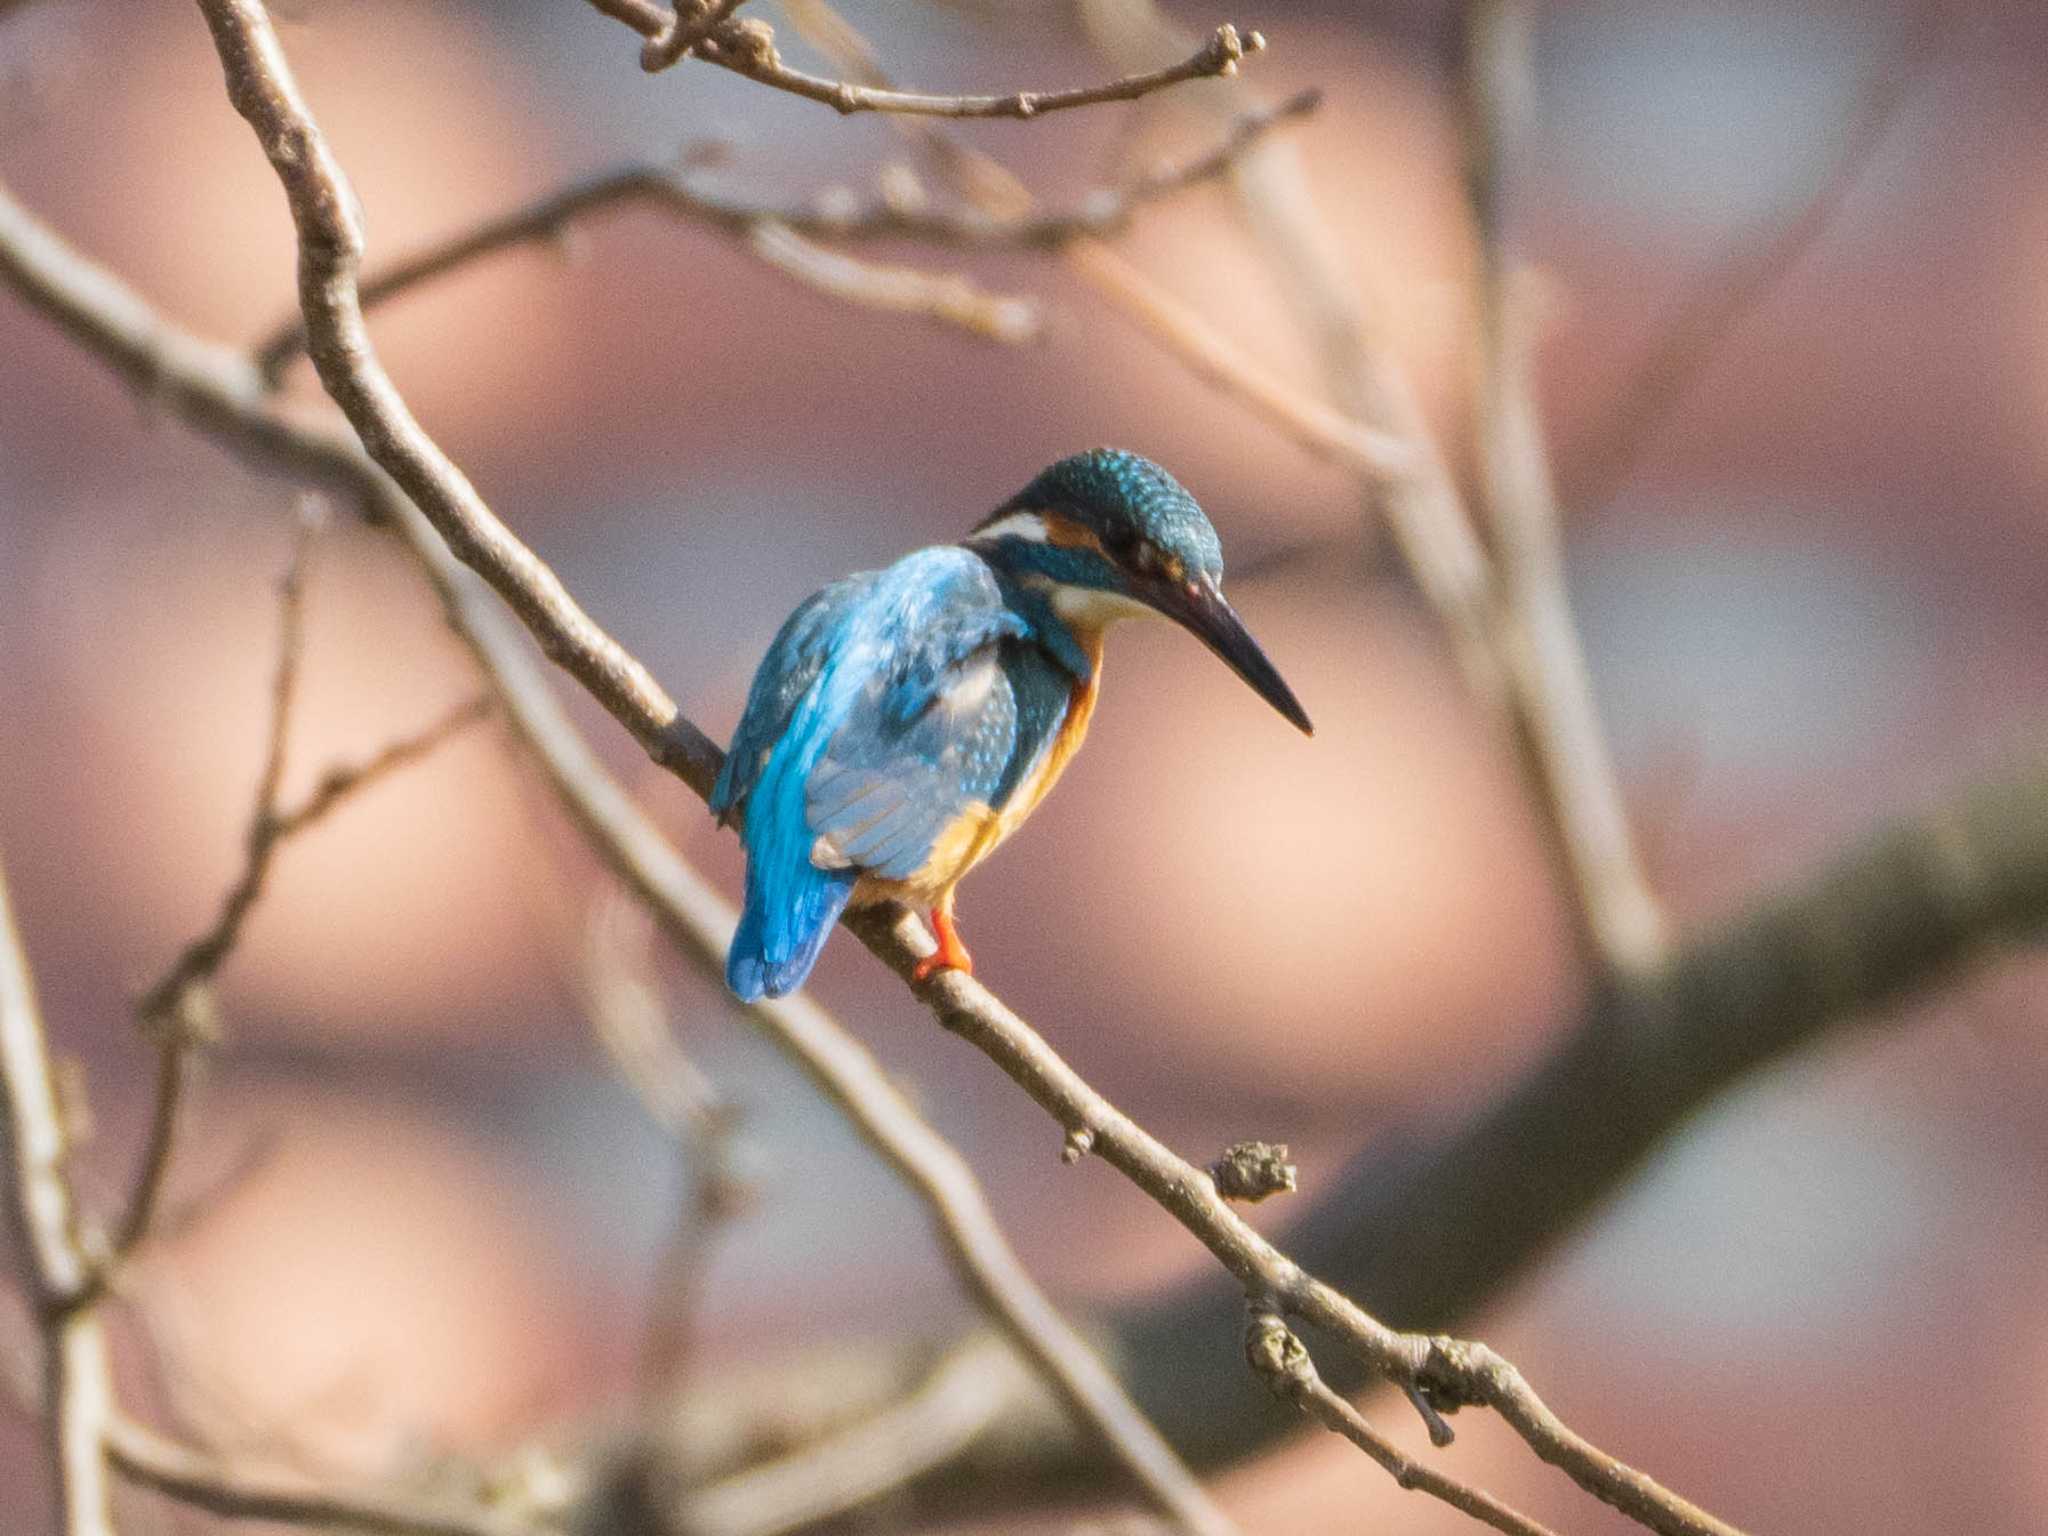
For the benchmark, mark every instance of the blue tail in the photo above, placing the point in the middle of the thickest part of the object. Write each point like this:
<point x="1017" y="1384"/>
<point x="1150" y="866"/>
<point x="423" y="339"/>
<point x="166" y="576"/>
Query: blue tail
<point x="781" y="936"/>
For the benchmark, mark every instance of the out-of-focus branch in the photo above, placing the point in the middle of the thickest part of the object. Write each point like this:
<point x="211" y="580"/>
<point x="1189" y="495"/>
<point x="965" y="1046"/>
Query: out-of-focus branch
<point x="747" y="47"/>
<point x="177" y="1009"/>
<point x="1682" y="344"/>
<point x="1538" y="642"/>
<point x="950" y="298"/>
<point x="630" y="1015"/>
<point x="829" y="220"/>
<point x="59" y="1270"/>
<point x="238" y="1491"/>
<point x="1214" y="358"/>
<point x="933" y="1425"/>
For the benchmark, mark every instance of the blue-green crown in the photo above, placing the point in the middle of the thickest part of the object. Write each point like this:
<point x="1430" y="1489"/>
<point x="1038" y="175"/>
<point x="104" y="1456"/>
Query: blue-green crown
<point x="1123" y="498"/>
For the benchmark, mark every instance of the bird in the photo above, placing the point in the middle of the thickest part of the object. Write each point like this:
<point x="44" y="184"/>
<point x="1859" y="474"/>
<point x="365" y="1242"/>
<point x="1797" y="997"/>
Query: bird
<point x="905" y="721"/>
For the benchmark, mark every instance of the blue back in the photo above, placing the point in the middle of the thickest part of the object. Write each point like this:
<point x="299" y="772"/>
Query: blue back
<point x="882" y="712"/>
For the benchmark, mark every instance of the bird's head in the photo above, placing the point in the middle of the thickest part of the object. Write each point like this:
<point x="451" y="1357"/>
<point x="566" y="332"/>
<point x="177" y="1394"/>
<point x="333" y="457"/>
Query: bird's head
<point x="1107" y="535"/>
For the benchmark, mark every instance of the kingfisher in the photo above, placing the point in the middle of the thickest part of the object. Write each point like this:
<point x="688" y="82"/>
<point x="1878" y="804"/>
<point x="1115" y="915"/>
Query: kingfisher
<point x="906" y="721"/>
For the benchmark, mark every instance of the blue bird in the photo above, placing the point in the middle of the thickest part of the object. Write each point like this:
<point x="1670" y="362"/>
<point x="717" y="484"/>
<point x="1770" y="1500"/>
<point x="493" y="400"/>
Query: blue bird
<point x="905" y="721"/>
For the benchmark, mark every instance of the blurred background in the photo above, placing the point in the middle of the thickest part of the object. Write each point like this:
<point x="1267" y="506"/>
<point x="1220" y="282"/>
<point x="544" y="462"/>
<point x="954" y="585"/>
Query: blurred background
<point x="430" y="1221"/>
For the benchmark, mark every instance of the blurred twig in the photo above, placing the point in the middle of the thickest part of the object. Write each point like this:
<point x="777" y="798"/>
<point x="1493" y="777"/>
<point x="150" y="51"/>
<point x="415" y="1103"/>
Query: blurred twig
<point x="1684" y="342"/>
<point x="931" y="1426"/>
<point x="177" y="1009"/>
<point x="1509" y="627"/>
<point x="947" y="297"/>
<point x="237" y="1490"/>
<point x="631" y="1018"/>
<point x="826" y="219"/>
<point x="1538" y="642"/>
<point x="60" y="1271"/>
<point x="747" y="47"/>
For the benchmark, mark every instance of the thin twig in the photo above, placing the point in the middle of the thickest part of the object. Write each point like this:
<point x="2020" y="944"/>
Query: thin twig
<point x="629" y="1014"/>
<point x="1539" y="645"/>
<point x="747" y="47"/>
<point x="835" y="220"/>
<point x="1682" y="344"/>
<point x="1215" y="359"/>
<point x="950" y="298"/>
<point x="237" y="1491"/>
<point x="176" y="1008"/>
<point x="59" y="1271"/>
<point x="947" y="1412"/>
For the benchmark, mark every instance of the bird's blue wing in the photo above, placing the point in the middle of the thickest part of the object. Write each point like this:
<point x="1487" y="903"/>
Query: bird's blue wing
<point x="879" y="716"/>
<point x="795" y="658"/>
<point x="928" y="736"/>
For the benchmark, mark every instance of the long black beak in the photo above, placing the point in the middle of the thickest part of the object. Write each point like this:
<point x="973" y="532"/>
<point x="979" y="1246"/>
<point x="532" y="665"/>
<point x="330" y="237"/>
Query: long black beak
<point x="1199" y="606"/>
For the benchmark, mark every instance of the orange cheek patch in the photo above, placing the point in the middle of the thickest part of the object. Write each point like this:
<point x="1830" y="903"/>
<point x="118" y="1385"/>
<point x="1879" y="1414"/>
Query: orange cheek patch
<point x="1065" y="533"/>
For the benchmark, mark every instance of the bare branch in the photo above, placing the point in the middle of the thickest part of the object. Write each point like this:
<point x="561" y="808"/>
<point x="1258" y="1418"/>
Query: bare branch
<point x="1539" y="645"/>
<point x="1216" y="360"/>
<point x="235" y="1491"/>
<point x="177" y="1009"/>
<point x="630" y="1015"/>
<point x="947" y="297"/>
<point x="747" y="48"/>
<point x="59" y="1270"/>
<point x="1280" y="1359"/>
<point x="951" y="1409"/>
<point x="827" y="219"/>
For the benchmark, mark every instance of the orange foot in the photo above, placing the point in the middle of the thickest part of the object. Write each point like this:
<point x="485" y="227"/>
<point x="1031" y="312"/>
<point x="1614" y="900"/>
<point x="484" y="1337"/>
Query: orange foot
<point x="951" y="954"/>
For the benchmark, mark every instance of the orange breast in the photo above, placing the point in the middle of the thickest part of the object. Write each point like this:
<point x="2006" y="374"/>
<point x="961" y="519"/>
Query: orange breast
<point x="980" y="831"/>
